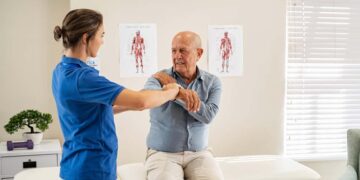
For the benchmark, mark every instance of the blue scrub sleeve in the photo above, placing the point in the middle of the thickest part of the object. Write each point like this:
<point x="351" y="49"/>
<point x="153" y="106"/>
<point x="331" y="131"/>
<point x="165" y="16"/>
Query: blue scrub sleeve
<point x="97" y="89"/>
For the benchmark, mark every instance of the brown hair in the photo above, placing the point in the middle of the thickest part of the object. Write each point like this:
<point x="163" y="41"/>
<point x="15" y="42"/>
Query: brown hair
<point x="75" y="24"/>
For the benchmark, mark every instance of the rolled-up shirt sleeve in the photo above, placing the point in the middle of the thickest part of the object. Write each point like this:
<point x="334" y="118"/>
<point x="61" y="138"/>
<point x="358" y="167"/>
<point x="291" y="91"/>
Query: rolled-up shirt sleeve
<point x="152" y="84"/>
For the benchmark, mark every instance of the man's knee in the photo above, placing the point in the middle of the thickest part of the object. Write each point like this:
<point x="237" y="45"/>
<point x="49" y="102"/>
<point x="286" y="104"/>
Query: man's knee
<point x="210" y="176"/>
<point x="215" y="176"/>
<point x="164" y="176"/>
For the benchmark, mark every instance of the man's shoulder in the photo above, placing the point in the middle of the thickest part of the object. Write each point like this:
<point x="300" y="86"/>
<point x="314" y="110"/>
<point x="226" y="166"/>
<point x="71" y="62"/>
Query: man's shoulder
<point x="207" y="75"/>
<point x="167" y="71"/>
<point x="210" y="80"/>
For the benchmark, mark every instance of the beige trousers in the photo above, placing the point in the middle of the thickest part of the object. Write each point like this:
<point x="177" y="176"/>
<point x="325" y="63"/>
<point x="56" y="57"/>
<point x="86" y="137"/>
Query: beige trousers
<point x="184" y="165"/>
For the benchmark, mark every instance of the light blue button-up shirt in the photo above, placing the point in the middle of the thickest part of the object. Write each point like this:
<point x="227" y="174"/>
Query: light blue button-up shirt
<point x="173" y="128"/>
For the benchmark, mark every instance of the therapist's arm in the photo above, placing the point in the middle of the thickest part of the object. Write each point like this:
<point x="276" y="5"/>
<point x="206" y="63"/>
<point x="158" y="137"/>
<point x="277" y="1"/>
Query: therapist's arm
<point x="119" y="109"/>
<point x="144" y="99"/>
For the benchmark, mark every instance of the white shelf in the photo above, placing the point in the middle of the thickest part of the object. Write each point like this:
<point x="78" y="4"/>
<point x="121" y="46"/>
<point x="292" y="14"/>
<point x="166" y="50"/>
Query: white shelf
<point x="45" y="154"/>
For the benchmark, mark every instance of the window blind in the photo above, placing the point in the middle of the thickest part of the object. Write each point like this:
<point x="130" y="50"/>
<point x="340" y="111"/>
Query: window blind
<point x="322" y="77"/>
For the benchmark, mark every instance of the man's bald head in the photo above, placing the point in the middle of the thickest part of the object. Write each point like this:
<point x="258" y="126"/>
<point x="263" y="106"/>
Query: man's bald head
<point x="189" y="38"/>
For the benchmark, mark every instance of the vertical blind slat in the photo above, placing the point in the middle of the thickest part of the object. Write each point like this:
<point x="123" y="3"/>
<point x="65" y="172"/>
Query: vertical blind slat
<point x="322" y="76"/>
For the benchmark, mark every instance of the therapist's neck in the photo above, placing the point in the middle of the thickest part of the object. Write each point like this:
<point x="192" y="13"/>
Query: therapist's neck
<point x="76" y="52"/>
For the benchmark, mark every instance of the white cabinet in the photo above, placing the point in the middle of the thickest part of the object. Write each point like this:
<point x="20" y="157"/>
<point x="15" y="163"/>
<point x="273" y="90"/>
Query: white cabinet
<point x="45" y="154"/>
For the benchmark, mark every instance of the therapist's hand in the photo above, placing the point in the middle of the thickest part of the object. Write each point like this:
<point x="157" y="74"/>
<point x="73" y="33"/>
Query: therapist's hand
<point x="172" y="87"/>
<point x="190" y="98"/>
<point x="164" y="78"/>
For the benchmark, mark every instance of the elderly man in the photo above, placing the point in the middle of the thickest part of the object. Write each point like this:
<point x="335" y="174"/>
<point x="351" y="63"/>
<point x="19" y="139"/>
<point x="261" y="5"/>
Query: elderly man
<point x="178" y="137"/>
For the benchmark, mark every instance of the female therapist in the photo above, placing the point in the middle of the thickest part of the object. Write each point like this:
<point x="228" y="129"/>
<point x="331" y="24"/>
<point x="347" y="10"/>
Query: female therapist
<point x="86" y="102"/>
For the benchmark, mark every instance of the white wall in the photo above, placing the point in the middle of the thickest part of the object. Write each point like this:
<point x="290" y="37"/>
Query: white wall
<point x="28" y="53"/>
<point x="250" y="118"/>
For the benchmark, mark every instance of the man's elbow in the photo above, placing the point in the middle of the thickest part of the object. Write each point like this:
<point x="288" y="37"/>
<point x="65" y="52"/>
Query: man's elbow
<point x="209" y="116"/>
<point x="207" y="120"/>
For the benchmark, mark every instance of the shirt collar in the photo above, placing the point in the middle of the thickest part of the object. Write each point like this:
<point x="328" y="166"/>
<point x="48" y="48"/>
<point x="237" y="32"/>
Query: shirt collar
<point x="70" y="60"/>
<point x="199" y="73"/>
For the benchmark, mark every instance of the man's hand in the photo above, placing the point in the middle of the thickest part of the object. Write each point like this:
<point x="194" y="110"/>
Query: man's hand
<point x="190" y="98"/>
<point x="164" y="78"/>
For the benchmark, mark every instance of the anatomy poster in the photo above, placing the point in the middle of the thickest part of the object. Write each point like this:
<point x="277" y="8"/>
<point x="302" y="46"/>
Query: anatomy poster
<point x="138" y="50"/>
<point x="225" y="50"/>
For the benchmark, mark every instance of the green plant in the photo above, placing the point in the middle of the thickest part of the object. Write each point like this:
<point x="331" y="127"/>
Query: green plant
<point x="28" y="118"/>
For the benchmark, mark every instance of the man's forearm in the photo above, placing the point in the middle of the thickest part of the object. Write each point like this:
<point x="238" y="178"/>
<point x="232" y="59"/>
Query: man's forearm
<point x="205" y="114"/>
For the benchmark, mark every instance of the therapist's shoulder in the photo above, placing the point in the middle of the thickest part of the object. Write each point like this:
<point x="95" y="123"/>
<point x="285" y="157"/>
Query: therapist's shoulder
<point x="89" y="75"/>
<point x="87" y="72"/>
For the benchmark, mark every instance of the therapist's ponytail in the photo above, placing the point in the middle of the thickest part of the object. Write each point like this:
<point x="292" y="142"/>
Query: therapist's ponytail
<point x="76" y="23"/>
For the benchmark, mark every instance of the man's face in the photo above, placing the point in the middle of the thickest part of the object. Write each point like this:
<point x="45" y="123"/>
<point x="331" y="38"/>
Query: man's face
<point x="184" y="56"/>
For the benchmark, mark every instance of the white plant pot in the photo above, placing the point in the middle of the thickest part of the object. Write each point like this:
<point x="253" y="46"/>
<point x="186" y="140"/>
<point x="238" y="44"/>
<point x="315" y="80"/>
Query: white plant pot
<point x="35" y="137"/>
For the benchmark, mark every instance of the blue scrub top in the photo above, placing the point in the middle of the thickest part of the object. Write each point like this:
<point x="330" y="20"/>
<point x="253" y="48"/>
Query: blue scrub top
<point x="84" y="103"/>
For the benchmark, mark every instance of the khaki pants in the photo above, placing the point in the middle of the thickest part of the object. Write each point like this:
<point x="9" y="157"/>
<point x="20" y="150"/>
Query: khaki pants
<point x="184" y="165"/>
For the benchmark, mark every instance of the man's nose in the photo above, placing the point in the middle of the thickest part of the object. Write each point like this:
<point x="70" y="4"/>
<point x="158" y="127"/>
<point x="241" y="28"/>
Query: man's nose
<point x="177" y="54"/>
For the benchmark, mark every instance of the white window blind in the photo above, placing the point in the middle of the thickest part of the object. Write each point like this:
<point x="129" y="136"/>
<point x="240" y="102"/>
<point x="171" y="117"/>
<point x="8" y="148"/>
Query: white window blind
<point x="322" y="77"/>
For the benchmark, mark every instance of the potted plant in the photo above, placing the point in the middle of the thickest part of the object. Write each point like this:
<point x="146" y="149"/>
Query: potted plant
<point x="29" y="118"/>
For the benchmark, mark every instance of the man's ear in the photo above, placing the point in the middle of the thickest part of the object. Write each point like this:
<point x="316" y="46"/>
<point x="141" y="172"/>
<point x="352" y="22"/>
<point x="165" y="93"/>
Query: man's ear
<point x="200" y="52"/>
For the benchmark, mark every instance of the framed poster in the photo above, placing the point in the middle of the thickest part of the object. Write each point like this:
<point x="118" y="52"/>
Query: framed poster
<point x="225" y="50"/>
<point x="138" y="50"/>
